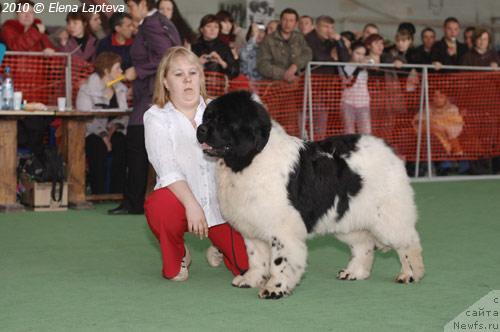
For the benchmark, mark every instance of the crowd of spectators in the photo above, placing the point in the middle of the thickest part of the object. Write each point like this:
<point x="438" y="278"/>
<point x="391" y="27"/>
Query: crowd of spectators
<point x="278" y="51"/>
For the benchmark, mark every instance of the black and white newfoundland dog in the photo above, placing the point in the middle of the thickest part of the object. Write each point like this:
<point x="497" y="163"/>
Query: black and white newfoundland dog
<point x="278" y="190"/>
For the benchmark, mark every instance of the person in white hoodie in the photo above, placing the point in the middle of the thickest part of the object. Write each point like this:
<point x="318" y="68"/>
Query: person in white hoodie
<point x="355" y="102"/>
<point x="105" y="136"/>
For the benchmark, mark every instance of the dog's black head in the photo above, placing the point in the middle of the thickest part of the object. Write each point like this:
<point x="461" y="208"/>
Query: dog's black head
<point x="236" y="128"/>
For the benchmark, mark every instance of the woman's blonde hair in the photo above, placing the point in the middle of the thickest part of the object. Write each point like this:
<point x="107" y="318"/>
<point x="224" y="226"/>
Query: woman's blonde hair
<point x="160" y="94"/>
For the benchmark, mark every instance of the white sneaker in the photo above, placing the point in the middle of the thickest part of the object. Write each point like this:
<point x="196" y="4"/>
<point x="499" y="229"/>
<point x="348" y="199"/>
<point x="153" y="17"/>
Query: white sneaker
<point x="214" y="256"/>
<point x="184" y="272"/>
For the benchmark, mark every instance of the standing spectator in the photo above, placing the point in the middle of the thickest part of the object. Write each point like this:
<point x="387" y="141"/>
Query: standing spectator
<point x="26" y="33"/>
<point x="171" y="11"/>
<point x="325" y="43"/>
<point x="368" y="30"/>
<point x="348" y="37"/>
<point x="81" y="43"/>
<point x="272" y="26"/>
<point x="423" y="52"/>
<point x="448" y="51"/>
<point x="214" y="54"/>
<point x="120" y="39"/>
<point x="95" y="25"/>
<point x="155" y="36"/>
<point x="482" y="54"/>
<point x="229" y="33"/>
<point x="327" y="46"/>
<point x="105" y="136"/>
<point x="248" y="53"/>
<point x="355" y="96"/>
<point x="284" y="53"/>
<point x="306" y="24"/>
<point x="468" y="37"/>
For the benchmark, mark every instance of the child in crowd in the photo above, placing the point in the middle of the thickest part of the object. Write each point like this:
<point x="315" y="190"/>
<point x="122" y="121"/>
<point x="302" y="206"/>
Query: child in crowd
<point x="446" y="123"/>
<point x="355" y="102"/>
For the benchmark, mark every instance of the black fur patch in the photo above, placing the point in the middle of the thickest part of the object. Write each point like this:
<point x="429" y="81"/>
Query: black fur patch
<point x="278" y="261"/>
<point x="321" y="177"/>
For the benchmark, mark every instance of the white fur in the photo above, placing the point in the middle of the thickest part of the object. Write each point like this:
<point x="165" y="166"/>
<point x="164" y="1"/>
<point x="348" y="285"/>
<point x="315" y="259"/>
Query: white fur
<point x="255" y="202"/>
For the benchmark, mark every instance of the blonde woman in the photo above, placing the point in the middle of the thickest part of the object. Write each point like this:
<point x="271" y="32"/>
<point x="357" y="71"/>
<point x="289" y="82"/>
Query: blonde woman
<point x="184" y="199"/>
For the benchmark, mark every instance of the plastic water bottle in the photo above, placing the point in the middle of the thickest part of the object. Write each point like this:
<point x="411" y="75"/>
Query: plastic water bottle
<point x="8" y="91"/>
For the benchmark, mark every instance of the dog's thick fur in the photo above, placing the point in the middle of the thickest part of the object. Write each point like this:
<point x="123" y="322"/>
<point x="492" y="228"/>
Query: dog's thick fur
<point x="277" y="190"/>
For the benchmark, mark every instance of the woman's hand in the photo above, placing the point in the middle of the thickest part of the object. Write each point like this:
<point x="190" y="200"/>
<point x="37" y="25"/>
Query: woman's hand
<point x="217" y="58"/>
<point x="197" y="224"/>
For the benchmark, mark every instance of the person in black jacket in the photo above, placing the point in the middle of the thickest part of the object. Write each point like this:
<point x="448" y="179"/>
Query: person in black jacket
<point x="423" y="52"/>
<point x="214" y="54"/>
<point x="448" y="51"/>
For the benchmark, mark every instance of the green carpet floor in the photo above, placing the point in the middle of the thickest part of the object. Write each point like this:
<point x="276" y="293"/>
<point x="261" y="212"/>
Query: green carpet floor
<point x="86" y="271"/>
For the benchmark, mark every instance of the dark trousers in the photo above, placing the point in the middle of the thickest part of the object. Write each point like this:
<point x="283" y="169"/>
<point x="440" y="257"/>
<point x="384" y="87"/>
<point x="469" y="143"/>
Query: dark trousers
<point x="30" y="133"/>
<point x="97" y="157"/>
<point x="137" y="165"/>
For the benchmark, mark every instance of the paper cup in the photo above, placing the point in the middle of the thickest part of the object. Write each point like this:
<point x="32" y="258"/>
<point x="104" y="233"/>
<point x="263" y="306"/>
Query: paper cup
<point x="61" y="104"/>
<point x="18" y="99"/>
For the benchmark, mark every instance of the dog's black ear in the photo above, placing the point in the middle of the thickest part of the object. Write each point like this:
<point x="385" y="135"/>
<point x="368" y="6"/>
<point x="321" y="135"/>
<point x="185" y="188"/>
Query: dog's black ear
<point x="262" y="127"/>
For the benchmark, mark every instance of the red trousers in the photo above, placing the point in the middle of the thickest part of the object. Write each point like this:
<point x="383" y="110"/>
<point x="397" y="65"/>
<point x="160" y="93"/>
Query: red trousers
<point x="167" y="219"/>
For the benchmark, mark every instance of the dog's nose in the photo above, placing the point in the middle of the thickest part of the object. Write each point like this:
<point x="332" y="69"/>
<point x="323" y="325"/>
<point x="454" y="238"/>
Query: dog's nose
<point x="201" y="133"/>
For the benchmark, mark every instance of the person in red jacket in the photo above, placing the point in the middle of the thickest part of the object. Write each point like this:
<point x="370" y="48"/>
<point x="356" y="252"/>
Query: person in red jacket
<point x="26" y="33"/>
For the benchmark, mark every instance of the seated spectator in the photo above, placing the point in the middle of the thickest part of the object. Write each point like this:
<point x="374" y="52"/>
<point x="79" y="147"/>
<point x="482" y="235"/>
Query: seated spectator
<point x="423" y="52"/>
<point x="468" y="37"/>
<point x="284" y="53"/>
<point x="272" y="26"/>
<point x="446" y="123"/>
<point x="171" y="11"/>
<point x="248" y="53"/>
<point x="229" y="33"/>
<point x="103" y="135"/>
<point x="369" y="29"/>
<point x="306" y="24"/>
<point x="214" y="54"/>
<point x="81" y="43"/>
<point x="355" y="96"/>
<point x="26" y="33"/>
<point x="448" y="51"/>
<point x="326" y="44"/>
<point x="482" y="54"/>
<point x="120" y="39"/>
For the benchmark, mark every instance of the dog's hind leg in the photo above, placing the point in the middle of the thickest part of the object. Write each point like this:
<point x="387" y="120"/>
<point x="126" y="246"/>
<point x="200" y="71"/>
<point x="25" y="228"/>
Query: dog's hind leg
<point x="288" y="263"/>
<point x="412" y="264"/>
<point x="258" y="261"/>
<point x="362" y="245"/>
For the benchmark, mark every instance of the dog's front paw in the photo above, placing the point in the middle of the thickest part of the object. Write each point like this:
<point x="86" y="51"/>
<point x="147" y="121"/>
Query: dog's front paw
<point x="274" y="291"/>
<point x="347" y="274"/>
<point x="248" y="281"/>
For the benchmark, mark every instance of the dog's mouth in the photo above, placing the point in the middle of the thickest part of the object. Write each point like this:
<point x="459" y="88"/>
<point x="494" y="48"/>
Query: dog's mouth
<point x="218" y="152"/>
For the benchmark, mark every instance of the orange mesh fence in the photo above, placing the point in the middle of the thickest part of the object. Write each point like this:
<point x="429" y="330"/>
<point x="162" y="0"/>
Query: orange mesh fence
<point x="464" y="112"/>
<point x="464" y="107"/>
<point x="41" y="79"/>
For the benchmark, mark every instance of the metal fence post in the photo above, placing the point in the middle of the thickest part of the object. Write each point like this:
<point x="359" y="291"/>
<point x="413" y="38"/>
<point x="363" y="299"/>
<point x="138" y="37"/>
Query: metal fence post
<point x="309" y="91"/>
<point x="428" y="124"/>
<point x="303" y="133"/>
<point x="69" y="84"/>
<point x="419" y="131"/>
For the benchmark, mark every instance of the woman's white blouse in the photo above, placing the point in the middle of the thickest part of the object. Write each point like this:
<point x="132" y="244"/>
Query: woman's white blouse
<point x="176" y="155"/>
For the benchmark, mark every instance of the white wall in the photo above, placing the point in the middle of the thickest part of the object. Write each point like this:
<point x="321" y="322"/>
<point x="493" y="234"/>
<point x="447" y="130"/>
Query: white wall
<point x="349" y="14"/>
